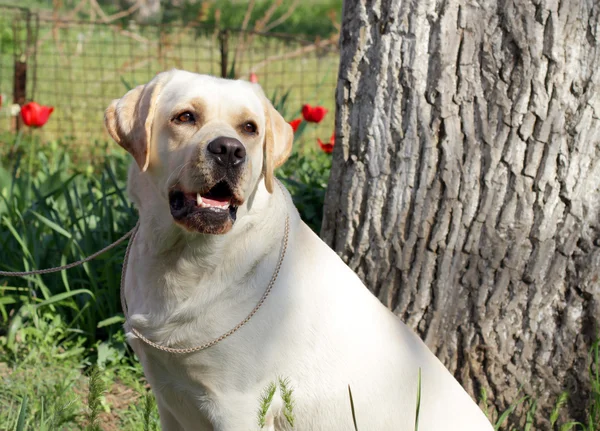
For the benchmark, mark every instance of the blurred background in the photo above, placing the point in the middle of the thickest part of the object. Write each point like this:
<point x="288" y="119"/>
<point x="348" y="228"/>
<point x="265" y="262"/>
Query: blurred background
<point x="78" y="55"/>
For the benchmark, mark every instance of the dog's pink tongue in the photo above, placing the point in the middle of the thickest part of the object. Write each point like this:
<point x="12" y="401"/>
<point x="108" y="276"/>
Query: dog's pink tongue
<point x="219" y="202"/>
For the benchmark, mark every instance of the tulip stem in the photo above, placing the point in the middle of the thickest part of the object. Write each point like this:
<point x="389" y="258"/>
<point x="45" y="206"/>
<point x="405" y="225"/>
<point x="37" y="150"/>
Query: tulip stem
<point x="30" y="168"/>
<point x="17" y="141"/>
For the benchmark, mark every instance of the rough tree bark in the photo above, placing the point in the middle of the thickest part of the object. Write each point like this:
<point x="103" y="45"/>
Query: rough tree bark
<point x="465" y="188"/>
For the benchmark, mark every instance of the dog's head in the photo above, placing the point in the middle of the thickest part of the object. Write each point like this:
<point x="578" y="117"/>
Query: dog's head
<point x="205" y="142"/>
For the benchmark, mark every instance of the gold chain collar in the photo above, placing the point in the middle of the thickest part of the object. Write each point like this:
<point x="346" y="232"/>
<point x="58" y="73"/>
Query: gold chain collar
<point x="228" y="333"/>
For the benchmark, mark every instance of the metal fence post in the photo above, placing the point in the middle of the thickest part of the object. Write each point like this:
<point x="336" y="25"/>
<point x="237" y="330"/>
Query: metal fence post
<point x="224" y="45"/>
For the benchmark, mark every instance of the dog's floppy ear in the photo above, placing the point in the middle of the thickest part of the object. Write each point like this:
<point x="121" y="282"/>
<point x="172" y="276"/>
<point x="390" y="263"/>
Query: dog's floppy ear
<point x="129" y="119"/>
<point x="279" y="137"/>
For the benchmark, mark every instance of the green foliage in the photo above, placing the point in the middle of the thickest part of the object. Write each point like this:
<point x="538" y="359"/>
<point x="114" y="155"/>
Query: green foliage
<point x="43" y="383"/>
<point x="560" y="403"/>
<point x="150" y="423"/>
<point x="39" y="373"/>
<point x="503" y="418"/>
<point x="526" y="406"/>
<point x="266" y="399"/>
<point x="286" y="393"/>
<point x="52" y="213"/>
<point x="35" y="335"/>
<point x="112" y="352"/>
<point x="310" y="18"/>
<point x="305" y="175"/>
<point x="96" y="390"/>
<point x="6" y="36"/>
<point x="22" y="414"/>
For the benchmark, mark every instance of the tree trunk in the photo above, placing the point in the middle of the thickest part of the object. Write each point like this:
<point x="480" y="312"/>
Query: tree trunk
<point x="465" y="188"/>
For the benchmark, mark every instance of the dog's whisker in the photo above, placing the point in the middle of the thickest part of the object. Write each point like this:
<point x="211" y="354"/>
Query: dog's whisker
<point x="177" y="171"/>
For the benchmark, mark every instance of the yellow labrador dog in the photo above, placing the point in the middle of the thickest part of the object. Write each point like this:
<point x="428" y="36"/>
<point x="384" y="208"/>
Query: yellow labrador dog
<point x="227" y="290"/>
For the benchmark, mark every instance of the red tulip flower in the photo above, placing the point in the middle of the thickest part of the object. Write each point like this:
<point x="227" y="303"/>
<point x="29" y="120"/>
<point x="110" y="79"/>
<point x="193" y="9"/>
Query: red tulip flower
<point x="327" y="146"/>
<point x="253" y="78"/>
<point x="313" y="114"/>
<point x="295" y="123"/>
<point x="35" y="115"/>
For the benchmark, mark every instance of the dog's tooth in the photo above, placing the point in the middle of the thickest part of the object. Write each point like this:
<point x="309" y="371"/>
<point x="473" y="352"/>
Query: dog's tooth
<point x="200" y="202"/>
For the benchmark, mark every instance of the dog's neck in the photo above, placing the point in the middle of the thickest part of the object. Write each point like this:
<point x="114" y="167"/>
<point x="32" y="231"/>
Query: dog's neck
<point x="180" y="267"/>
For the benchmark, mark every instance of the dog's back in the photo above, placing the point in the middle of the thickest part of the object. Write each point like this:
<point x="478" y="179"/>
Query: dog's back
<point x="346" y="338"/>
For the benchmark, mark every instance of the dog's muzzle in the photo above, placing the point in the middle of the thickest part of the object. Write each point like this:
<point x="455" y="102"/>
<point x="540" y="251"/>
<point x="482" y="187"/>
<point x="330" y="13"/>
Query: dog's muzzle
<point x="212" y="208"/>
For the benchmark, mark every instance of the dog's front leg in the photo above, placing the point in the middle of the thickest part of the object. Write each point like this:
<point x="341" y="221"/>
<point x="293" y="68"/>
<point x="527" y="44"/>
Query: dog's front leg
<point x="168" y="422"/>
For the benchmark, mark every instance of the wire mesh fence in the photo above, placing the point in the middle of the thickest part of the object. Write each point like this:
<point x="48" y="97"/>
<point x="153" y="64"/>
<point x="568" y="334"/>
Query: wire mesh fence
<point x="78" y="67"/>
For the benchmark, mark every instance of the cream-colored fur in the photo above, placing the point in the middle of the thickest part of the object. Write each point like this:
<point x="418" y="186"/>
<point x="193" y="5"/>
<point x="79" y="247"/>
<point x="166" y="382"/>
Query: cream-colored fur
<point x="320" y="328"/>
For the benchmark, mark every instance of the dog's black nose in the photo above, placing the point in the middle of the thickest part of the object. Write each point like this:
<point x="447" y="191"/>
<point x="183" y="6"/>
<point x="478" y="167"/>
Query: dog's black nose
<point x="227" y="151"/>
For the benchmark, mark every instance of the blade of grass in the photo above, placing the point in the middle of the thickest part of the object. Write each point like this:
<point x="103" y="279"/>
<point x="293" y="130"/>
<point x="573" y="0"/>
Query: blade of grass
<point x="508" y="412"/>
<point x="418" y="401"/>
<point x="110" y="321"/>
<point x="352" y="407"/>
<point x="22" y="414"/>
<point x="562" y="400"/>
<point x="149" y="406"/>
<point x="95" y="392"/>
<point x="113" y="179"/>
<point x="51" y="225"/>
<point x="65" y="295"/>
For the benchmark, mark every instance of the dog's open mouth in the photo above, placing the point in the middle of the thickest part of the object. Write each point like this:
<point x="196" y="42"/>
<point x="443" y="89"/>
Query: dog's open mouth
<point x="218" y="198"/>
<point x="213" y="211"/>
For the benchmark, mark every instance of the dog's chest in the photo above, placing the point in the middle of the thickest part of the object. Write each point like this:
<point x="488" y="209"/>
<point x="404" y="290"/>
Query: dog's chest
<point x="181" y="382"/>
<point x="199" y="391"/>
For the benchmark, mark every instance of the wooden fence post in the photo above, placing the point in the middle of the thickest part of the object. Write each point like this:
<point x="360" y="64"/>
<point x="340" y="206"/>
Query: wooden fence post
<point x="224" y="44"/>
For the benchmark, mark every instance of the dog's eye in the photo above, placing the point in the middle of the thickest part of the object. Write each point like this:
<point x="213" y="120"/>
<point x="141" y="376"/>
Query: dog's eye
<point x="185" y="117"/>
<point x="249" y="127"/>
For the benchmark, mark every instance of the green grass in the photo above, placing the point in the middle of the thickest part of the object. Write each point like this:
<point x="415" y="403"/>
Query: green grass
<point x="47" y="382"/>
<point x="310" y="17"/>
<point x="524" y="408"/>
